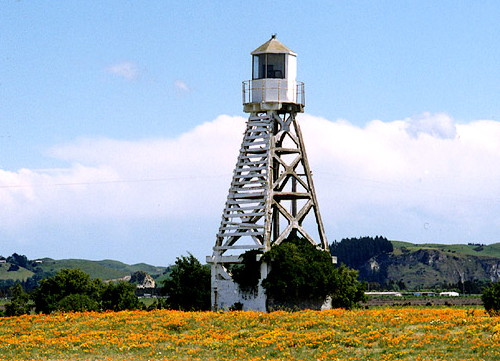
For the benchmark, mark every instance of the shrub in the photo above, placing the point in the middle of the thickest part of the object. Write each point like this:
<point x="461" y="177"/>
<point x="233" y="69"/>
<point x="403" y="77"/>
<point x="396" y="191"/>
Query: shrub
<point x="188" y="287"/>
<point x="50" y="295"/>
<point x="303" y="276"/>
<point x="491" y="299"/>
<point x="13" y="268"/>
<point x="77" y="302"/>
<point x="348" y="291"/>
<point x="120" y="296"/>
<point x="19" y="303"/>
<point x="247" y="273"/>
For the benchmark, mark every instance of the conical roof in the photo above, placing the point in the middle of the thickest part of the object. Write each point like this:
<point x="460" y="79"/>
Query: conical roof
<point x="273" y="46"/>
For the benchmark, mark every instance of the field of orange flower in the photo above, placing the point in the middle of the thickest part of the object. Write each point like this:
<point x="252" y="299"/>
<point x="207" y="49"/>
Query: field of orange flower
<point x="378" y="334"/>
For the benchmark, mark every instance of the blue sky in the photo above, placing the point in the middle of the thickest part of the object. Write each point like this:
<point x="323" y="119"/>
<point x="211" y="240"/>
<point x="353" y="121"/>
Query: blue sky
<point x="121" y="120"/>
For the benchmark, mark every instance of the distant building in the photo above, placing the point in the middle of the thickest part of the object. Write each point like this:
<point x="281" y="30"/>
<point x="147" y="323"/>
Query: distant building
<point x="449" y="294"/>
<point x="428" y="294"/>
<point x="378" y="294"/>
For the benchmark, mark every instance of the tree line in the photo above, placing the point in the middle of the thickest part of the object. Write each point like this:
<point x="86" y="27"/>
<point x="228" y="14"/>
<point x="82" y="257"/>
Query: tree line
<point x="355" y="252"/>
<point x="301" y="273"/>
<point x="72" y="290"/>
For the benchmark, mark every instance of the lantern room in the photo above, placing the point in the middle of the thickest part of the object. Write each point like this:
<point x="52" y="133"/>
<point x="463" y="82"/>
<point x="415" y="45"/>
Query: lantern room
<point x="273" y="84"/>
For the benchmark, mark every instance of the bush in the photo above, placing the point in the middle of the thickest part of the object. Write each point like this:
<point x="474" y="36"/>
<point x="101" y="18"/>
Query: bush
<point x="491" y="299"/>
<point x="50" y="295"/>
<point x="13" y="268"/>
<point x="348" y="290"/>
<point x="188" y="287"/>
<point x="303" y="276"/>
<point x="120" y="296"/>
<point x="77" y="302"/>
<point x="247" y="274"/>
<point x="19" y="303"/>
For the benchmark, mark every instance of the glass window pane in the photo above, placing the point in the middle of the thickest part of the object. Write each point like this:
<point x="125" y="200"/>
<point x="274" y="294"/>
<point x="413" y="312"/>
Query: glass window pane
<point x="275" y="66"/>
<point x="255" y="70"/>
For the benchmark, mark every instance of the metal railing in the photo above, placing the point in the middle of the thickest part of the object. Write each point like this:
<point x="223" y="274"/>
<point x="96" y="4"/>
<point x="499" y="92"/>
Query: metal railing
<point x="272" y="90"/>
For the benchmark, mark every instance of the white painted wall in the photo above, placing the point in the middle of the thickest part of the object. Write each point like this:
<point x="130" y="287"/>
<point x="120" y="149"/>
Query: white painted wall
<point x="226" y="293"/>
<point x="273" y="90"/>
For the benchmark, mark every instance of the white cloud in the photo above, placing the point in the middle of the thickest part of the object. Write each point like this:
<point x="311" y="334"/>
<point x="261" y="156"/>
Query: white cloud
<point x="417" y="179"/>
<point x="382" y="179"/>
<point x="166" y="177"/>
<point x="181" y="87"/>
<point x="437" y="125"/>
<point x="127" y="70"/>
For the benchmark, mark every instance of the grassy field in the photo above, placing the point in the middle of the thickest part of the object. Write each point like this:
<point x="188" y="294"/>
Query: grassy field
<point x="374" y="334"/>
<point x="19" y="275"/>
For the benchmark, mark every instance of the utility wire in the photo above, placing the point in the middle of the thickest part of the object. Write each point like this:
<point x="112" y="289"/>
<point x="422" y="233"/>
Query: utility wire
<point x="116" y="181"/>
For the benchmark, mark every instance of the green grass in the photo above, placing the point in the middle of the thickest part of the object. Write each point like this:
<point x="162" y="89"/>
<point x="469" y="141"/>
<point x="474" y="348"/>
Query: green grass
<point x="19" y="275"/>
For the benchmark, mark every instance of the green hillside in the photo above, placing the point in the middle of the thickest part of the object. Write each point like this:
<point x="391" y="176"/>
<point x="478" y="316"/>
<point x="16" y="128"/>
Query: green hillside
<point x="105" y="269"/>
<point x="490" y="250"/>
<point x="19" y="275"/>
<point x="415" y="265"/>
<point x="420" y="266"/>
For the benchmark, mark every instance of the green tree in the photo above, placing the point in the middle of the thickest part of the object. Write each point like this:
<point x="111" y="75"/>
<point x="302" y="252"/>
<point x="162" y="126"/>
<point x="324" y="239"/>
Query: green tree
<point x="355" y="252"/>
<point x="302" y="275"/>
<point x="19" y="260"/>
<point x="120" y="296"/>
<point x="188" y="287"/>
<point x="77" y="302"/>
<point x="20" y="302"/>
<point x="347" y="290"/>
<point x="491" y="299"/>
<point x="57" y="293"/>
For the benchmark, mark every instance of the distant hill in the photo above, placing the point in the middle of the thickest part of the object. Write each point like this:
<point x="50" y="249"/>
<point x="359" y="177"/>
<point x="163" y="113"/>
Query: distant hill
<point x="414" y="266"/>
<point x="421" y="266"/>
<point x="19" y="275"/>
<point x="105" y="269"/>
<point x="490" y="250"/>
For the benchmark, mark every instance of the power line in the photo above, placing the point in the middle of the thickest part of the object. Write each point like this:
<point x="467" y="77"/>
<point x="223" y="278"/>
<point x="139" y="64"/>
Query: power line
<point x="407" y="188"/>
<point x="404" y="188"/>
<point x="114" y="181"/>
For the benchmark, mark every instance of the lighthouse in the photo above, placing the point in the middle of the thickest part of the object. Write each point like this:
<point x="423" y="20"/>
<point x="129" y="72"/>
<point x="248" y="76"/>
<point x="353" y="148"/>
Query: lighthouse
<point x="272" y="197"/>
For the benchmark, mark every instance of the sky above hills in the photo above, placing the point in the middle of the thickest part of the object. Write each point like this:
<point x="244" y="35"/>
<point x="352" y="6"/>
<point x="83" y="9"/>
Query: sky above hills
<point x="121" y="121"/>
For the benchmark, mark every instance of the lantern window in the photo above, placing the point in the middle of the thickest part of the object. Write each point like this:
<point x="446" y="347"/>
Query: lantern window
<point x="268" y="66"/>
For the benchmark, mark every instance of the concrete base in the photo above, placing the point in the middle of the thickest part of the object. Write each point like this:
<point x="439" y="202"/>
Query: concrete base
<point x="226" y="294"/>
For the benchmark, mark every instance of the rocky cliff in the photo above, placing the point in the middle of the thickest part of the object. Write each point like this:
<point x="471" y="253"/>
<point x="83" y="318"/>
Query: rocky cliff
<point x="430" y="268"/>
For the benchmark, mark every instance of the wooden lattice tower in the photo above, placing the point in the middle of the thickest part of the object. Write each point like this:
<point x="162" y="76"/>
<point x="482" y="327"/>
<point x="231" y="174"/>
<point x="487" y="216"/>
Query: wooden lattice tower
<point x="272" y="195"/>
